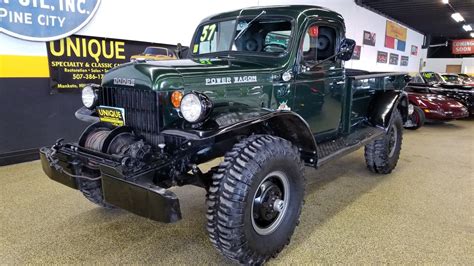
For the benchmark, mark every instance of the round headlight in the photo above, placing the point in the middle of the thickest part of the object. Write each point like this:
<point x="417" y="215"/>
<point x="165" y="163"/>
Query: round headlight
<point x="195" y="107"/>
<point x="89" y="97"/>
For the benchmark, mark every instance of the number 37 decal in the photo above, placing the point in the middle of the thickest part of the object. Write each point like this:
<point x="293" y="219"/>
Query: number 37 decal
<point x="208" y="32"/>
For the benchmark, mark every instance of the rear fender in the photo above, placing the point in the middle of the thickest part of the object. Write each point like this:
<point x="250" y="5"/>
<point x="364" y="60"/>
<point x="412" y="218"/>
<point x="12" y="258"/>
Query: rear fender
<point x="383" y="105"/>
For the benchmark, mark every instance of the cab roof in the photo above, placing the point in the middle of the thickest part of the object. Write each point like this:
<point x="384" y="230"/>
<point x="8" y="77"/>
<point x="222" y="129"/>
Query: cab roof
<point x="289" y="10"/>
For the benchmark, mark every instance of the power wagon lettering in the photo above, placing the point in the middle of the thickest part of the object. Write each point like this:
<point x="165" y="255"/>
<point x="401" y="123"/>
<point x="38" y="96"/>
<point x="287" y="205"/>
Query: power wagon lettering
<point x="229" y="80"/>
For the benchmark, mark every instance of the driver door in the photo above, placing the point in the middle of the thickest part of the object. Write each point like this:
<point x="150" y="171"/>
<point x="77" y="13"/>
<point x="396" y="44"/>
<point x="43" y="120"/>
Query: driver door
<point x="319" y="85"/>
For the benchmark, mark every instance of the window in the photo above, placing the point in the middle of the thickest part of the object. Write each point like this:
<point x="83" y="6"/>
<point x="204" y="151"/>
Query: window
<point x="156" y="51"/>
<point x="319" y="43"/>
<point x="417" y="79"/>
<point x="431" y="77"/>
<point x="269" y="35"/>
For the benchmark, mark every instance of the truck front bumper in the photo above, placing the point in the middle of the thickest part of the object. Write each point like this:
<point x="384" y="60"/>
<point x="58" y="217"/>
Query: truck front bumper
<point x="68" y="164"/>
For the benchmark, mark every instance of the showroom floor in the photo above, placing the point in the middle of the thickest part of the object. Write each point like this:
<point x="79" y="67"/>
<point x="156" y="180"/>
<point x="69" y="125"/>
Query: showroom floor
<point x="422" y="213"/>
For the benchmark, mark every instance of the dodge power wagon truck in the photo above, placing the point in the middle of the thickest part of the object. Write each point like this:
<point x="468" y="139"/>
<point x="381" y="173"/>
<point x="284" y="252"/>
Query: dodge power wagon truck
<point x="264" y="88"/>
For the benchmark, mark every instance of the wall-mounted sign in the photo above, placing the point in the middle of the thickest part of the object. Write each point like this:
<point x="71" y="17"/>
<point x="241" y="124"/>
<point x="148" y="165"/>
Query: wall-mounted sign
<point x="393" y="60"/>
<point x="356" y="54"/>
<point x="369" y="38"/>
<point x="464" y="46"/>
<point x="79" y="60"/>
<point x="395" y="36"/>
<point x="404" y="60"/>
<point x="41" y="20"/>
<point x="382" y="57"/>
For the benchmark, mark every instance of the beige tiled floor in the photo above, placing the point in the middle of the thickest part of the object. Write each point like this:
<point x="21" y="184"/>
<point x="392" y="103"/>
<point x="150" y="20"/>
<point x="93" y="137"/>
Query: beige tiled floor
<point x="422" y="213"/>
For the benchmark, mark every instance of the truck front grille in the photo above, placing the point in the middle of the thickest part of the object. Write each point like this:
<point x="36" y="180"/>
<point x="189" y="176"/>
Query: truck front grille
<point x="141" y="109"/>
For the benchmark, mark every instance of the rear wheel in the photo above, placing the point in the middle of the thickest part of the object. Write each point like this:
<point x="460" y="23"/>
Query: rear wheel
<point x="255" y="199"/>
<point x="381" y="155"/>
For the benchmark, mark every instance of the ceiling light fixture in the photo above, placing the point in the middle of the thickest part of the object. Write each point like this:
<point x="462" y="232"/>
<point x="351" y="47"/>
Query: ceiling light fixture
<point x="457" y="17"/>
<point x="467" y="27"/>
<point x="445" y="1"/>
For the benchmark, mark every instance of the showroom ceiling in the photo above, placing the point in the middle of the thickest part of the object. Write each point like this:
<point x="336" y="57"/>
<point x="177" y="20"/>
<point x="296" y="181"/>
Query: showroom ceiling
<point x="431" y="17"/>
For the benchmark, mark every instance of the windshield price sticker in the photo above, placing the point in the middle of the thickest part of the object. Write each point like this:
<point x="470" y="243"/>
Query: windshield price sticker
<point x="45" y="20"/>
<point x="208" y="32"/>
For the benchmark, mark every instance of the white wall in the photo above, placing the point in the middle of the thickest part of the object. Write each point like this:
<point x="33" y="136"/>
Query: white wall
<point x="357" y="20"/>
<point x="439" y="64"/>
<point x="172" y="22"/>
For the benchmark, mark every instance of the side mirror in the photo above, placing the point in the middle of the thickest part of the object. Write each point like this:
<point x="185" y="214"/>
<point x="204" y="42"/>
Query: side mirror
<point x="346" y="49"/>
<point x="179" y="49"/>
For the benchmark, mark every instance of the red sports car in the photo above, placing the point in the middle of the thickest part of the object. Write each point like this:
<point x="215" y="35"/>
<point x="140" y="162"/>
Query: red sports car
<point x="425" y="106"/>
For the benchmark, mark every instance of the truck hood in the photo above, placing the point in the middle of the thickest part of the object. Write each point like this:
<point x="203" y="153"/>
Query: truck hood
<point x="173" y="74"/>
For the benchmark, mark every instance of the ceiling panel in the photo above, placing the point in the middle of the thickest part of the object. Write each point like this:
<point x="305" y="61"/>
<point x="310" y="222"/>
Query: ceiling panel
<point x="426" y="16"/>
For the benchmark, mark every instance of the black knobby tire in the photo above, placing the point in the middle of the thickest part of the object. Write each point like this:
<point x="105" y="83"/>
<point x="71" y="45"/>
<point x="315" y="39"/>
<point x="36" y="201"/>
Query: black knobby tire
<point x="381" y="155"/>
<point x="92" y="190"/>
<point x="231" y="199"/>
<point x="417" y="118"/>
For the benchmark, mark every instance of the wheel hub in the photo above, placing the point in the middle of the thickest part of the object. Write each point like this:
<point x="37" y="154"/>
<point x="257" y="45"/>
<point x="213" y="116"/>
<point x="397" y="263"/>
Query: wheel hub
<point x="270" y="203"/>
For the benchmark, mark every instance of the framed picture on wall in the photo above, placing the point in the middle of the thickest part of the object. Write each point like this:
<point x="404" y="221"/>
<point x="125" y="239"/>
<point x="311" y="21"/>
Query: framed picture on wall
<point x="404" y="60"/>
<point x="393" y="59"/>
<point x="369" y="38"/>
<point x="414" y="50"/>
<point x="356" y="54"/>
<point x="382" y="57"/>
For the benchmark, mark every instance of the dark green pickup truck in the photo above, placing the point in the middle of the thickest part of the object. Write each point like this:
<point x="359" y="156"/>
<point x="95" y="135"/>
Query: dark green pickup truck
<point x="265" y="88"/>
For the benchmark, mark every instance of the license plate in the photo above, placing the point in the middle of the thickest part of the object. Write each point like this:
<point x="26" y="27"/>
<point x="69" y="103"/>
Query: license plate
<point x="112" y="115"/>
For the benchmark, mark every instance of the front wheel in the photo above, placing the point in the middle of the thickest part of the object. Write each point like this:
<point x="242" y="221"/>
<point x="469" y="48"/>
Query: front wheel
<point x="381" y="155"/>
<point x="255" y="199"/>
<point x="417" y="118"/>
<point x="92" y="190"/>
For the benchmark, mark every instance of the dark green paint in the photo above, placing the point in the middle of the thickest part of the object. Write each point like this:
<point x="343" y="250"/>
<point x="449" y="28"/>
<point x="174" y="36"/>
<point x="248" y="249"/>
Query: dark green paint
<point x="318" y="94"/>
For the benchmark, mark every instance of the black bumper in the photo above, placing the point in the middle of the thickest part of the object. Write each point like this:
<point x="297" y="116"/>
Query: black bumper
<point x="141" y="197"/>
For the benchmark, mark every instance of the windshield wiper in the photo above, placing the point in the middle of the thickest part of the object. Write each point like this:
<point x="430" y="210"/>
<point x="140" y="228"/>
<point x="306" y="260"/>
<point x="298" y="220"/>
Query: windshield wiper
<point x="248" y="25"/>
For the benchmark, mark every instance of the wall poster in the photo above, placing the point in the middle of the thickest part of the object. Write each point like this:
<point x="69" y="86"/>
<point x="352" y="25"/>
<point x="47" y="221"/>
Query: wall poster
<point x="356" y="54"/>
<point x="395" y="36"/>
<point x="382" y="57"/>
<point x="393" y="60"/>
<point x="404" y="60"/>
<point x="79" y="60"/>
<point x="369" y="38"/>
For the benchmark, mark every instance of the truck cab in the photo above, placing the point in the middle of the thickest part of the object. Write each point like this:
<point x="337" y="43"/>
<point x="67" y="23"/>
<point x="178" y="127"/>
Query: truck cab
<point x="265" y="89"/>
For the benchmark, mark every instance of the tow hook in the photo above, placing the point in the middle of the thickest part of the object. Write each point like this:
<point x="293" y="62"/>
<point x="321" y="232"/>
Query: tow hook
<point x="57" y="145"/>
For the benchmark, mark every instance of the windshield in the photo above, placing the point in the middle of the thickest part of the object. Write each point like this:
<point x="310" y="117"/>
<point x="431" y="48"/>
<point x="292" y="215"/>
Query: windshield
<point x="451" y="78"/>
<point x="156" y="51"/>
<point x="264" y="35"/>
<point x="431" y="77"/>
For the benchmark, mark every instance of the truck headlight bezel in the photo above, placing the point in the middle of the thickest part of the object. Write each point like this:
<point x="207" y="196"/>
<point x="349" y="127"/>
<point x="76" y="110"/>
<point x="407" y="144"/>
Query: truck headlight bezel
<point x="195" y="107"/>
<point x="89" y="97"/>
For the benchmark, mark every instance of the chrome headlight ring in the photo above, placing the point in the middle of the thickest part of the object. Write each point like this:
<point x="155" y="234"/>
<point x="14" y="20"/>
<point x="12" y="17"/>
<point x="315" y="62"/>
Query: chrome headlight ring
<point x="90" y="97"/>
<point x="195" y="107"/>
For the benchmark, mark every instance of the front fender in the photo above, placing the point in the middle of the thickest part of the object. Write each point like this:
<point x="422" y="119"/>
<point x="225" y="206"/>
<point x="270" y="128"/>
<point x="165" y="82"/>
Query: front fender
<point x="229" y="127"/>
<point x="384" y="103"/>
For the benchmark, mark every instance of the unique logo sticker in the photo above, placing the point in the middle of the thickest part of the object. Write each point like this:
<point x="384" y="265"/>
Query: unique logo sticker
<point x="284" y="106"/>
<point x="230" y="80"/>
<point x="41" y="20"/>
<point x="112" y="115"/>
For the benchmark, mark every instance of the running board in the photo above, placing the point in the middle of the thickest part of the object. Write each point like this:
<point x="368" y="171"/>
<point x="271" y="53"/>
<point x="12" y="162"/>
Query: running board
<point x="333" y="149"/>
